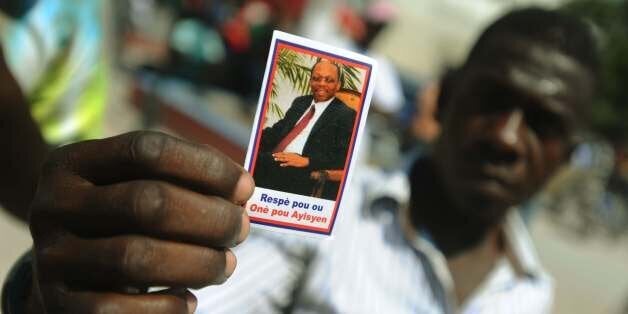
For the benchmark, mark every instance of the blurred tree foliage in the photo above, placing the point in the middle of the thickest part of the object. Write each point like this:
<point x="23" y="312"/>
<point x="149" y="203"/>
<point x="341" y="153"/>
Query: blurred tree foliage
<point x="610" y="23"/>
<point x="296" y="68"/>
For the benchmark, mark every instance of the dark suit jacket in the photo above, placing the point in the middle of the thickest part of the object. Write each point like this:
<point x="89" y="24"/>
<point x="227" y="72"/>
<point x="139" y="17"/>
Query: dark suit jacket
<point x="326" y="147"/>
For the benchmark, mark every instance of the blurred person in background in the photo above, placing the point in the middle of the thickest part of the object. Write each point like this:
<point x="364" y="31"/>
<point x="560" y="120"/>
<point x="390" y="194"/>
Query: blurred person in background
<point x="363" y="27"/>
<point x="53" y="49"/>
<point x="425" y="126"/>
<point x="426" y="114"/>
<point x="232" y="37"/>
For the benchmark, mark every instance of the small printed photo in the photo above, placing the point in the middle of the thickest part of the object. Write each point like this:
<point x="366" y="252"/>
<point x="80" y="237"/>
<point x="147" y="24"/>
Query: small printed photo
<point x="311" y="112"/>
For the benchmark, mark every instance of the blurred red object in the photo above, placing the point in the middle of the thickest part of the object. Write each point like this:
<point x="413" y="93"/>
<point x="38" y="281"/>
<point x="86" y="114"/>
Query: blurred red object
<point x="351" y="22"/>
<point x="237" y="35"/>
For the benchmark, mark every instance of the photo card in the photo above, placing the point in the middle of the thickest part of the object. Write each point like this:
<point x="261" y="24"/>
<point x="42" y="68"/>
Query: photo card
<point x="310" y="117"/>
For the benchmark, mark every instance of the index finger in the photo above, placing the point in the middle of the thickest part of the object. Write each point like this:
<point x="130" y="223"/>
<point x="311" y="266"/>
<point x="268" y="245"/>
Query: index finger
<point x="157" y="156"/>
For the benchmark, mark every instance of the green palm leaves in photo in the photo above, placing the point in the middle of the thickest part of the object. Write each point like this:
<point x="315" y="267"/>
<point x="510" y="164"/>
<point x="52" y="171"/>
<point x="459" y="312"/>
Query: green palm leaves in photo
<point x="296" y="68"/>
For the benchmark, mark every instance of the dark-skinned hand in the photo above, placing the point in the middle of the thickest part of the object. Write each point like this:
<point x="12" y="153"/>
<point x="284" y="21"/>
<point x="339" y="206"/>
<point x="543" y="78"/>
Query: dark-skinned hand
<point x="291" y="160"/>
<point x="116" y="216"/>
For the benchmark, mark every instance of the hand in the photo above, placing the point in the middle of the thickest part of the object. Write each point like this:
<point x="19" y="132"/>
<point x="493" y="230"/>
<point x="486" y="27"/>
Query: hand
<point x="317" y="175"/>
<point x="291" y="160"/>
<point x="113" y="217"/>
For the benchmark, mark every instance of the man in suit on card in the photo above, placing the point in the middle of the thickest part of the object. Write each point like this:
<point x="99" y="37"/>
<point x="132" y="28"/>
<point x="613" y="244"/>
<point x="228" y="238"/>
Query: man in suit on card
<point x="313" y="135"/>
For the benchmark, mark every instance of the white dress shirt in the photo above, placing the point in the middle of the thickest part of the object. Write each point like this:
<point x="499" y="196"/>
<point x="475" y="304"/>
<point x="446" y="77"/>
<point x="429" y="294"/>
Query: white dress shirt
<point x="369" y="266"/>
<point x="297" y="144"/>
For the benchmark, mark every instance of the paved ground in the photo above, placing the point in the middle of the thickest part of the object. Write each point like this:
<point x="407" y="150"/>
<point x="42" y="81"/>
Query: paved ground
<point x="591" y="274"/>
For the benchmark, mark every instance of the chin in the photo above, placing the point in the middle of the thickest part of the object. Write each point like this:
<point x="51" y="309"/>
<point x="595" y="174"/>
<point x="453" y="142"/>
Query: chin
<point x="486" y="205"/>
<point x="321" y="99"/>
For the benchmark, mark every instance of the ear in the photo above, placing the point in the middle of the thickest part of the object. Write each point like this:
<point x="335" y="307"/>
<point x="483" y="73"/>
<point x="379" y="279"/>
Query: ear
<point x="448" y="83"/>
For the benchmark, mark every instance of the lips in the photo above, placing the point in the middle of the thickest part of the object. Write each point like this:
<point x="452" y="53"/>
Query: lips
<point x="496" y="182"/>
<point x="321" y="94"/>
<point x="492" y="189"/>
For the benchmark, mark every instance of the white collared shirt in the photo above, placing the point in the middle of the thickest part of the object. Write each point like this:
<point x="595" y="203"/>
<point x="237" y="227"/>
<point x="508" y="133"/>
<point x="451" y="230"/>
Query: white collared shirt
<point x="297" y="144"/>
<point x="369" y="266"/>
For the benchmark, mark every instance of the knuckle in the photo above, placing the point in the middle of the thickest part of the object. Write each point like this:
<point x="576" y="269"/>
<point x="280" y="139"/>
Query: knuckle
<point x="58" y="190"/>
<point x="216" y="163"/>
<point x="149" y="203"/>
<point x="212" y="160"/>
<point x="52" y="163"/>
<point x="147" y="146"/>
<point x="107" y="306"/>
<point x="225" y="227"/>
<point x="114" y="305"/>
<point x="215" y="264"/>
<point x="170" y="304"/>
<point x="60" y="154"/>
<point x="53" y="202"/>
<point x="136" y="257"/>
<point x="57" y="196"/>
<point x="49" y="250"/>
<point x="48" y="185"/>
<point x="63" y="157"/>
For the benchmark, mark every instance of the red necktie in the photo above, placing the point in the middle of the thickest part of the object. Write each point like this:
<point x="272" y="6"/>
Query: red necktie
<point x="295" y="131"/>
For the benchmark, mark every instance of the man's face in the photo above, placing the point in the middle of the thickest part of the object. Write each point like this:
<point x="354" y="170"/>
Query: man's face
<point x="509" y="128"/>
<point x="324" y="81"/>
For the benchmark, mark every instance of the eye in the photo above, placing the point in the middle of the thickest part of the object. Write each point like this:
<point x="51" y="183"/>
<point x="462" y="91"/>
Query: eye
<point x="545" y="124"/>
<point x="488" y="100"/>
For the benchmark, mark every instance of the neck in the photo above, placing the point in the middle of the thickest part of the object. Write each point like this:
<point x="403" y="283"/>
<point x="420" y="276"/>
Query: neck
<point x="321" y="101"/>
<point x="470" y="268"/>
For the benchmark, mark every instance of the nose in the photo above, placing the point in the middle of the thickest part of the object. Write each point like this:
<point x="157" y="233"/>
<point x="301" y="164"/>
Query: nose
<point x="505" y="135"/>
<point x="316" y="84"/>
<point x="508" y="127"/>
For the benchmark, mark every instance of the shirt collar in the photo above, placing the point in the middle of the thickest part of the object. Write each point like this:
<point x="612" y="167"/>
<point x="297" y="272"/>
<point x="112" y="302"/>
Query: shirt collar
<point x="420" y="241"/>
<point x="322" y="105"/>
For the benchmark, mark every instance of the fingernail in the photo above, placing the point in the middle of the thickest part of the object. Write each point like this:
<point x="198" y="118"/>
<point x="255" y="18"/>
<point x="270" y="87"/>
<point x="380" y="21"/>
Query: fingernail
<point x="245" y="228"/>
<point x="191" y="301"/>
<point x="244" y="188"/>
<point x="230" y="263"/>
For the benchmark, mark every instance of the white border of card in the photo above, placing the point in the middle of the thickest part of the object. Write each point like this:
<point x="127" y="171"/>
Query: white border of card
<point x="293" y="213"/>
